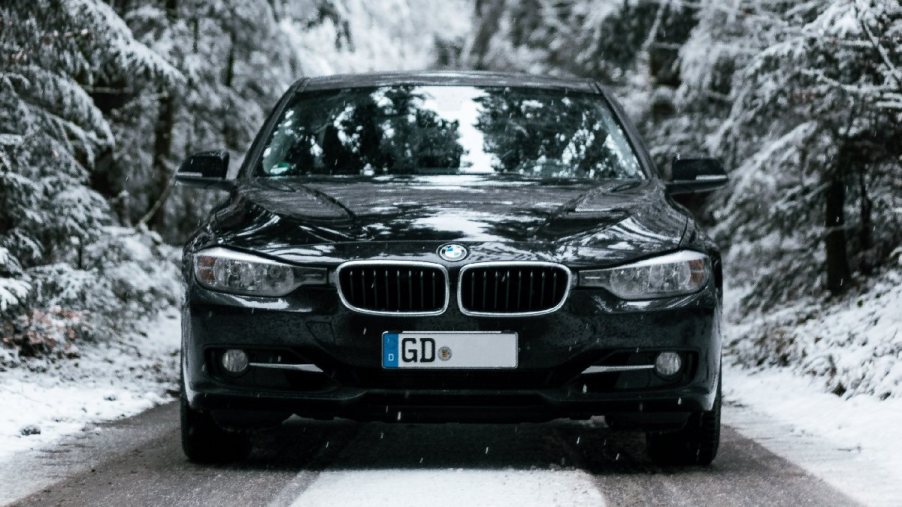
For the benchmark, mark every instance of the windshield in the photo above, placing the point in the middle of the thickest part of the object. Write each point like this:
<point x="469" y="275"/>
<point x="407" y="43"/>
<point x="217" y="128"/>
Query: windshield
<point x="449" y="130"/>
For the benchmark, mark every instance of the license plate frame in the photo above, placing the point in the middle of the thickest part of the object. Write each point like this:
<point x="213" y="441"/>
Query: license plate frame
<point x="466" y="350"/>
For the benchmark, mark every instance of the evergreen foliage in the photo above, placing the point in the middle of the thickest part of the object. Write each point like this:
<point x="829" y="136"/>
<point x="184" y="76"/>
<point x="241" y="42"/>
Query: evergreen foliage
<point x="53" y="53"/>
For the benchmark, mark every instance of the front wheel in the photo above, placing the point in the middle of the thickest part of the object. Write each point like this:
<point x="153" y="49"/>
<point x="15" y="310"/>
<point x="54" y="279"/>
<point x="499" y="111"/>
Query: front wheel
<point x="695" y="444"/>
<point x="203" y="441"/>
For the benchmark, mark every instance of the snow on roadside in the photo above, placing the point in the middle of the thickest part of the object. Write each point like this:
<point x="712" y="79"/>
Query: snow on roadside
<point x="853" y="444"/>
<point x="825" y="385"/>
<point x="43" y="401"/>
<point x="852" y="346"/>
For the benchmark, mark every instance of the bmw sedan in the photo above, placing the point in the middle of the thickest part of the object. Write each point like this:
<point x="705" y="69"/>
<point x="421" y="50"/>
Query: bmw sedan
<point x="451" y="247"/>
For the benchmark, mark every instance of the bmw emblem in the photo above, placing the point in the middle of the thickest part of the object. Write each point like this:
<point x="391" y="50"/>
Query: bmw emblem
<point x="452" y="252"/>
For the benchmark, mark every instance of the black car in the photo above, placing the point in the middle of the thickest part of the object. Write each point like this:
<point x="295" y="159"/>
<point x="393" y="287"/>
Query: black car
<point x="451" y="247"/>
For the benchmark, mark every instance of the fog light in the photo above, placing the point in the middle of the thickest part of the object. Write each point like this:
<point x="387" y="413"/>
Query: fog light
<point x="234" y="361"/>
<point x="668" y="364"/>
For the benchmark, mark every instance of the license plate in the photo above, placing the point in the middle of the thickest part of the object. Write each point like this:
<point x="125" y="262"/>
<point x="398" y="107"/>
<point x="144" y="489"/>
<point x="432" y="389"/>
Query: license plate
<point x="449" y="349"/>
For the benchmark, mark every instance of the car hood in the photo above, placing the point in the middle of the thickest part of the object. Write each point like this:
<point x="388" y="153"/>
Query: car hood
<point x="283" y="217"/>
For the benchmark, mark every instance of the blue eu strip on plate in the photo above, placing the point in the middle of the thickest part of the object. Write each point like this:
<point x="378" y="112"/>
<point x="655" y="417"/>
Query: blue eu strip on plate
<point x="390" y="350"/>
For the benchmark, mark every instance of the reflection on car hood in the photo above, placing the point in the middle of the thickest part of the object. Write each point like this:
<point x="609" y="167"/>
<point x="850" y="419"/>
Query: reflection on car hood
<point x="275" y="215"/>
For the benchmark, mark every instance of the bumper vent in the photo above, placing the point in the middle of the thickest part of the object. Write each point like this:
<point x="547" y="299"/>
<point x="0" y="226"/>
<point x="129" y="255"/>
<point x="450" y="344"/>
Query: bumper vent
<point x="393" y="287"/>
<point x="513" y="289"/>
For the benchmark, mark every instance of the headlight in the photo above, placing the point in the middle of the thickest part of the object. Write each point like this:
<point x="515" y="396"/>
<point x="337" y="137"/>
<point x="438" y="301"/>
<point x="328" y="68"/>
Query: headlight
<point x="241" y="273"/>
<point x="674" y="274"/>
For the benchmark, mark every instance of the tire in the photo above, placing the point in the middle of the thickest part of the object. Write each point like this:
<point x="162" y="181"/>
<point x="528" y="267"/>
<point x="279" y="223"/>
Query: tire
<point x="203" y="441"/>
<point x="695" y="444"/>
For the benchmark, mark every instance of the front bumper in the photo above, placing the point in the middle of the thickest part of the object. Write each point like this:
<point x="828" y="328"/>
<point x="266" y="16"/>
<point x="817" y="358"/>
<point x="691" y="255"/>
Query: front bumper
<point x="592" y="328"/>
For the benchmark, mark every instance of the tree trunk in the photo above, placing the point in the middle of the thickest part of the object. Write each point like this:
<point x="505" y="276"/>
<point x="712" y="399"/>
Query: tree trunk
<point x="865" y="232"/>
<point x="489" y="11"/>
<point x="229" y="133"/>
<point x="838" y="272"/>
<point x="162" y="146"/>
<point x="867" y="222"/>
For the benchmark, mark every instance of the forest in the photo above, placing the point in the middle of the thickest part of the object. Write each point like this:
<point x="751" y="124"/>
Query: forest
<point x="801" y="100"/>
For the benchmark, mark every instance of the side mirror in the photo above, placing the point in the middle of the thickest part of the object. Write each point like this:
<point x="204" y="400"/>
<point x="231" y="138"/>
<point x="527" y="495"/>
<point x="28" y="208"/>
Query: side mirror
<point x="695" y="175"/>
<point x="206" y="169"/>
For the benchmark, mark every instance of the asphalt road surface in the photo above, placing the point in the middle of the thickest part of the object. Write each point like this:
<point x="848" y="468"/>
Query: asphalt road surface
<point x="138" y="461"/>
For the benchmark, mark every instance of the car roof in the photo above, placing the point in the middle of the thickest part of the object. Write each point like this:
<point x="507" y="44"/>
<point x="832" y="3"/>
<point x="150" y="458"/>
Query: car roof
<point x="446" y="78"/>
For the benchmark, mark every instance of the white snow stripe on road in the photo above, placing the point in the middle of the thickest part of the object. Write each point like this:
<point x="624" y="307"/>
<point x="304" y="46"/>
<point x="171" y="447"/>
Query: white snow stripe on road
<point x="293" y="489"/>
<point x="452" y="488"/>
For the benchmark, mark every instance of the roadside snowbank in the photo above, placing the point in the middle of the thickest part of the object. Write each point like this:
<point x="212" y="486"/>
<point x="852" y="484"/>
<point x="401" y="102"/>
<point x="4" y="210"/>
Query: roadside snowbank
<point x="854" y="444"/>
<point x="852" y="346"/>
<point x="43" y="400"/>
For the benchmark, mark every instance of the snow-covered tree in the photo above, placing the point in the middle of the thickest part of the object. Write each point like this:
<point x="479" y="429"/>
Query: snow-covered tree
<point x="52" y="55"/>
<point x="630" y="45"/>
<point x="813" y="132"/>
<point x="236" y="62"/>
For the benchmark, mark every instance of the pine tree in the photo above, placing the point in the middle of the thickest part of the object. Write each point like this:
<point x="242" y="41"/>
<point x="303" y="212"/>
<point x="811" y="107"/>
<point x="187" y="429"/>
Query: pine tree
<point x="53" y="53"/>
<point x="236" y="64"/>
<point x="813" y="131"/>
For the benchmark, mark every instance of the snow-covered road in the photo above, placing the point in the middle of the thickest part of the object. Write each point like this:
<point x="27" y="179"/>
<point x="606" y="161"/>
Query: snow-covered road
<point x="854" y="444"/>
<point x="138" y="461"/>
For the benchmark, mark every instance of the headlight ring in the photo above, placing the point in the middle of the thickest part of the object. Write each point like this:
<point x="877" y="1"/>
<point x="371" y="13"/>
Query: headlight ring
<point x="675" y="274"/>
<point x="225" y="270"/>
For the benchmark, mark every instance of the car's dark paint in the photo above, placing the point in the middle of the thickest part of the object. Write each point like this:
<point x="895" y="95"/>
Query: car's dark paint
<point x="572" y="222"/>
<point x="448" y="78"/>
<point x="325" y="222"/>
